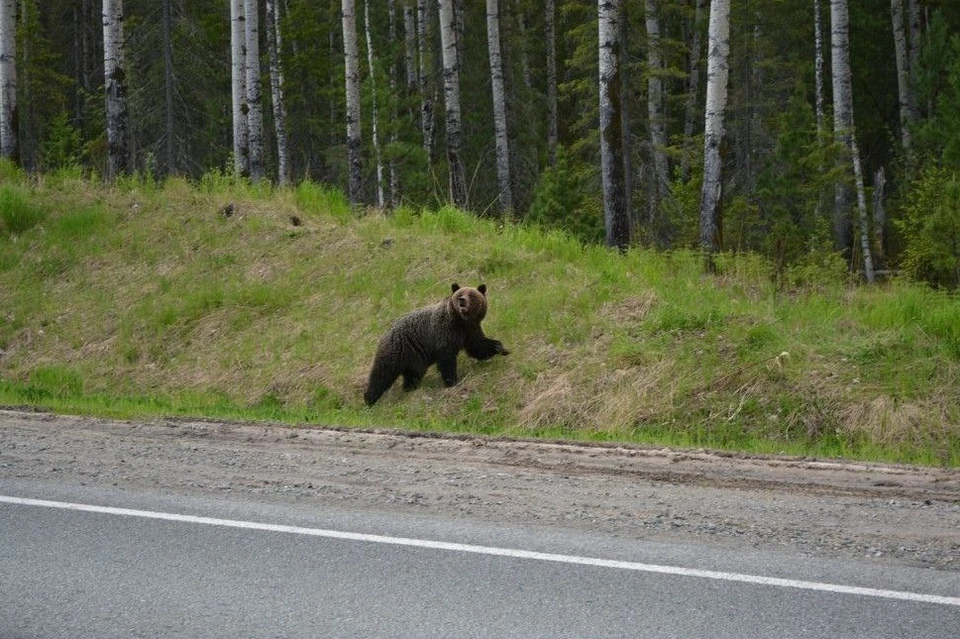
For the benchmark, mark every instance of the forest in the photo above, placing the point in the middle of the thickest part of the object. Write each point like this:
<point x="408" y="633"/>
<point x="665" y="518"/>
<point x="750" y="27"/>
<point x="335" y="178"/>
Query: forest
<point x="801" y="130"/>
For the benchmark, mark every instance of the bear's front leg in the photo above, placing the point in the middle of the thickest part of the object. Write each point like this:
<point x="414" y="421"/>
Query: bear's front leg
<point x="448" y="370"/>
<point x="481" y="347"/>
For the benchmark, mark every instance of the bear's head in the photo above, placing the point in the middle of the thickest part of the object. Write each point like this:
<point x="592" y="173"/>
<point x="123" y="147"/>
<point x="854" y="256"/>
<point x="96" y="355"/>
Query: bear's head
<point x="469" y="304"/>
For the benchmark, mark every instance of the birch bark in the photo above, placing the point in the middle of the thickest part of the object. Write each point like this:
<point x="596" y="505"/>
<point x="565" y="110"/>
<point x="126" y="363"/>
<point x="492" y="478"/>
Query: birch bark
<point x="238" y="56"/>
<point x="451" y="94"/>
<point x="718" y="71"/>
<point x="8" y="79"/>
<point x="426" y="67"/>
<point x="499" y="109"/>
<point x="616" y="220"/>
<point x="842" y="121"/>
<point x="118" y="143"/>
<point x="352" y="65"/>
<point x="274" y="48"/>
<point x="374" y="113"/>
<point x="253" y="85"/>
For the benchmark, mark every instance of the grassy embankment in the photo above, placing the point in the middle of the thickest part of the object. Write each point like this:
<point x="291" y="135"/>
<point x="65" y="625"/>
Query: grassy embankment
<point x="142" y="300"/>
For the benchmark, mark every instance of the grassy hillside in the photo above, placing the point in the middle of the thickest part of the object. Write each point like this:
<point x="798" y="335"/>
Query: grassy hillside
<point x="142" y="299"/>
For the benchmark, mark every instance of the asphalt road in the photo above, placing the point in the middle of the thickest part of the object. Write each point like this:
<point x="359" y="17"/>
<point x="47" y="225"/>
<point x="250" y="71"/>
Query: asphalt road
<point x="181" y="565"/>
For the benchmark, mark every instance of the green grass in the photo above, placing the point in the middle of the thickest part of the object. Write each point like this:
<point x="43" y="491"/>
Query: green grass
<point x="143" y="299"/>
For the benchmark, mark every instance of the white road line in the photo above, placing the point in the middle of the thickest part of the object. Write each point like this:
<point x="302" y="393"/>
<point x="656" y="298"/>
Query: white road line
<point x="499" y="552"/>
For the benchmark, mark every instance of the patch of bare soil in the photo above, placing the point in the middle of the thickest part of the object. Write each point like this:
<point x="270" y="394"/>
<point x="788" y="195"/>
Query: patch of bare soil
<point x="888" y="512"/>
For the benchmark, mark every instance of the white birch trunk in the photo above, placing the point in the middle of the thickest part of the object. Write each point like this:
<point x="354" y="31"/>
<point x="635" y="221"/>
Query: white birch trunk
<point x="374" y="114"/>
<point x="842" y="120"/>
<point x="862" y="210"/>
<point x="693" y="91"/>
<point x="114" y="70"/>
<point x="254" y="106"/>
<point x="451" y="93"/>
<point x="549" y="20"/>
<point x="274" y="49"/>
<point x="8" y="79"/>
<point x="616" y="219"/>
<point x="426" y="66"/>
<point x="718" y="71"/>
<point x="238" y="57"/>
<point x="352" y="65"/>
<point x="660" y="176"/>
<point x="903" y="70"/>
<point x="499" y="108"/>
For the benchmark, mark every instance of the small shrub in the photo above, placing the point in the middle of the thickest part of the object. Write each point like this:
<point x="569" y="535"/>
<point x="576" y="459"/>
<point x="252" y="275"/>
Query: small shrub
<point x="931" y="229"/>
<point x="320" y="200"/>
<point x="55" y="381"/>
<point x="17" y="214"/>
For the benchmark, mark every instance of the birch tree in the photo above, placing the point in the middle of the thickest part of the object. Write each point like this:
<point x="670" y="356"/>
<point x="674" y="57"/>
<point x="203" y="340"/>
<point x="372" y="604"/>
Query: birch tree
<point x="8" y="79"/>
<point x="659" y="177"/>
<point x="374" y="114"/>
<point x="616" y="219"/>
<point x="425" y="68"/>
<point x="114" y="70"/>
<point x="252" y="75"/>
<point x="274" y="48"/>
<point x="842" y="121"/>
<point x="718" y="71"/>
<point x="499" y="108"/>
<point x="352" y="64"/>
<point x="846" y="137"/>
<point x="451" y="95"/>
<point x="238" y="58"/>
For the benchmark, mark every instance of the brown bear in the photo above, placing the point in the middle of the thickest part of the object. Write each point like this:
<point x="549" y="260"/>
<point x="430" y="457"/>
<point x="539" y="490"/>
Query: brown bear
<point x="432" y="335"/>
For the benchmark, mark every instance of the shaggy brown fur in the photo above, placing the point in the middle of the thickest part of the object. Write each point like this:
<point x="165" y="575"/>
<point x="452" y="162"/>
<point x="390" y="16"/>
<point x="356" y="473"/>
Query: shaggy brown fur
<point x="433" y="335"/>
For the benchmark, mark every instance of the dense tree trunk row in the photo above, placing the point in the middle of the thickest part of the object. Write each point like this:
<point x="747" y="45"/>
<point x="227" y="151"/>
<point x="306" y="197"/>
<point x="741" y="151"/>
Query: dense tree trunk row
<point x="520" y="107"/>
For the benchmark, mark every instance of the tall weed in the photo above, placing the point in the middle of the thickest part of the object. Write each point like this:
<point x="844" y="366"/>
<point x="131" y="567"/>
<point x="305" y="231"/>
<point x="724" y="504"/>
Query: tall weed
<point x="18" y="212"/>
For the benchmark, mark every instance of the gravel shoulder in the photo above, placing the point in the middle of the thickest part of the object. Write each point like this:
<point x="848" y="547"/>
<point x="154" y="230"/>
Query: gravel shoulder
<point x="901" y="514"/>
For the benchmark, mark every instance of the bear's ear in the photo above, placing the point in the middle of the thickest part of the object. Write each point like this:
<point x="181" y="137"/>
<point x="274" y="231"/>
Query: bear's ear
<point x="483" y="289"/>
<point x="455" y="287"/>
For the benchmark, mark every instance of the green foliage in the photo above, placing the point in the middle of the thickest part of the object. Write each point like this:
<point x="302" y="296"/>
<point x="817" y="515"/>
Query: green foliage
<point x="558" y="202"/>
<point x="321" y="200"/>
<point x="685" y="208"/>
<point x="54" y="381"/>
<point x="938" y="137"/>
<point x="931" y="228"/>
<point x="63" y="147"/>
<point x="18" y="212"/>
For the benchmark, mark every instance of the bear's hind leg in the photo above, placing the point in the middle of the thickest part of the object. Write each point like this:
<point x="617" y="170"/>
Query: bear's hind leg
<point x="411" y="379"/>
<point x="381" y="378"/>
